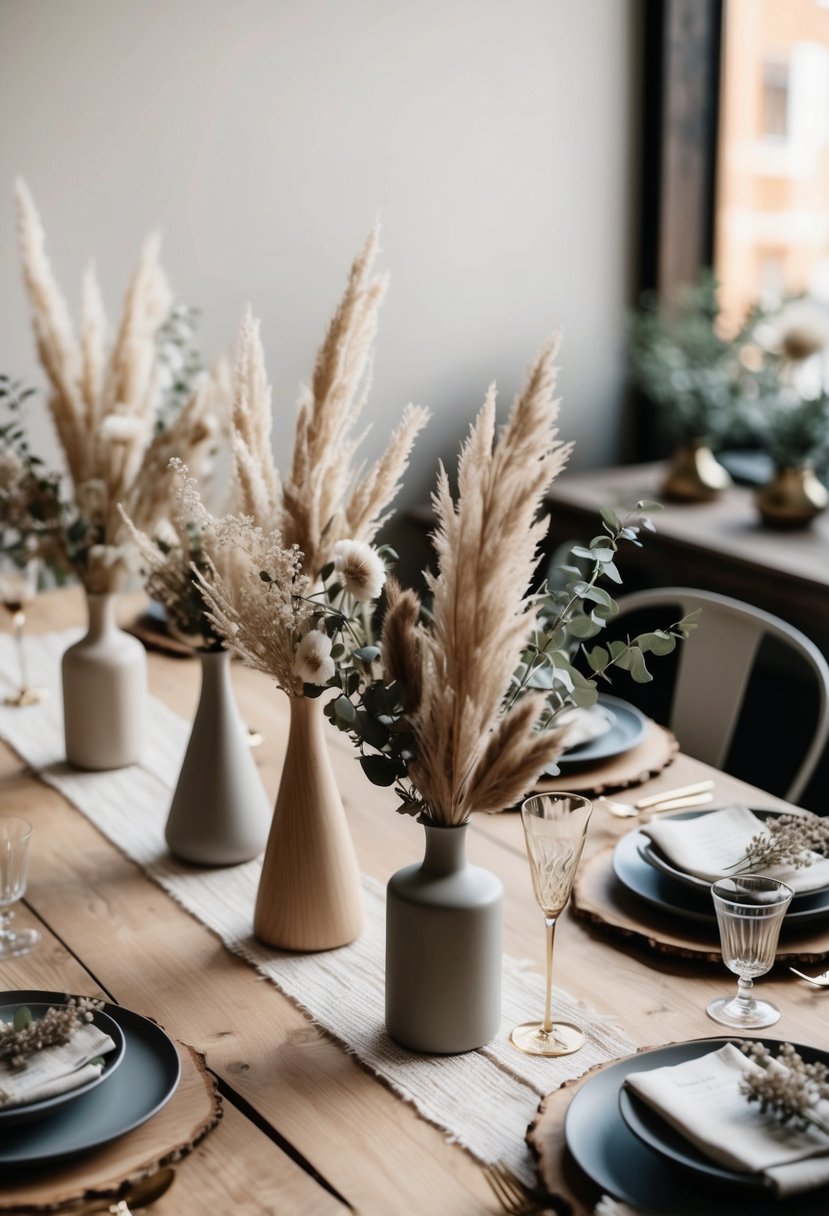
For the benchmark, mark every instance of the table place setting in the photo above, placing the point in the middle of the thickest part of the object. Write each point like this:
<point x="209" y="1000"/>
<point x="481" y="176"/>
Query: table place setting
<point x="654" y="883"/>
<point x="675" y="1129"/>
<point x="51" y="1054"/>
<point x="150" y="1102"/>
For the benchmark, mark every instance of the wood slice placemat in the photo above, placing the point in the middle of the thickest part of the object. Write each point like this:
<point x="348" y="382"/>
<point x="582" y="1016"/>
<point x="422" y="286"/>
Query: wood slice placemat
<point x="558" y="1176"/>
<point x="193" y="1111"/>
<point x="599" y="897"/>
<point x="646" y="760"/>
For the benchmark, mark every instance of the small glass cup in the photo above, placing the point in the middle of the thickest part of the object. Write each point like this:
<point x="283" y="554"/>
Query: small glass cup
<point x="555" y="827"/>
<point x="15" y="834"/>
<point x="750" y="911"/>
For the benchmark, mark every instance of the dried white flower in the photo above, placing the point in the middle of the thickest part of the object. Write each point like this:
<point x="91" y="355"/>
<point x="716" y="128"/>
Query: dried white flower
<point x="360" y="568"/>
<point x="122" y="428"/>
<point x="313" y="662"/>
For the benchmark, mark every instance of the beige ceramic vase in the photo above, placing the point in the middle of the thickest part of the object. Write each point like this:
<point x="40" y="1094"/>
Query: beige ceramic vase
<point x="104" y="692"/>
<point x="310" y="894"/>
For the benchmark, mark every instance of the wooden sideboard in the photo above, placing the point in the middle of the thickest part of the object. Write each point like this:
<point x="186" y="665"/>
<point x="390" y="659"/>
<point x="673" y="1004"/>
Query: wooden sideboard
<point x="719" y="546"/>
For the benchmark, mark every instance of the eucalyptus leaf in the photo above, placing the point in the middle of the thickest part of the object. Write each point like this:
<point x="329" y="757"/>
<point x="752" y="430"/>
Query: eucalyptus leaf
<point x="345" y="711"/>
<point x="22" y="1017"/>
<point x="382" y="770"/>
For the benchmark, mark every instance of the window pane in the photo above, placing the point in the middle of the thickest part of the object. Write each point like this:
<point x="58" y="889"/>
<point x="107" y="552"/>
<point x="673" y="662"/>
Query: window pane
<point x="772" y="224"/>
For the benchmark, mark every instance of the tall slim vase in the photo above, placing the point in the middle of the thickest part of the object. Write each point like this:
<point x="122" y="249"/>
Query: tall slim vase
<point x="443" y="949"/>
<point x="104" y="692"/>
<point x="310" y="895"/>
<point x="220" y="813"/>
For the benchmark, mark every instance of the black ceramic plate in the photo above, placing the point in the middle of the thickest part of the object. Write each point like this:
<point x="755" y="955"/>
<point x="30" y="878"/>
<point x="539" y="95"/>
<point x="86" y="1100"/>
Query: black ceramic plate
<point x="665" y="1140"/>
<point x="145" y="1081"/>
<point x="657" y="889"/>
<point x="626" y="732"/>
<point x="608" y="1152"/>
<point x="36" y="1110"/>
<point x="654" y="857"/>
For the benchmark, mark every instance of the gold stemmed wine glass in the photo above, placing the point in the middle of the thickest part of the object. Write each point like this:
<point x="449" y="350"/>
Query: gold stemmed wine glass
<point x="555" y="827"/>
<point x="18" y="587"/>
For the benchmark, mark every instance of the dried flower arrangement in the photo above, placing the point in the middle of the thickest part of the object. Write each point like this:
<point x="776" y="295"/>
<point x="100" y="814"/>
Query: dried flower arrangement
<point x="111" y="412"/>
<point x="787" y="840"/>
<point x="455" y="717"/>
<point x="786" y="1086"/>
<point x="23" y="1037"/>
<point x="31" y="511"/>
<point x="297" y="603"/>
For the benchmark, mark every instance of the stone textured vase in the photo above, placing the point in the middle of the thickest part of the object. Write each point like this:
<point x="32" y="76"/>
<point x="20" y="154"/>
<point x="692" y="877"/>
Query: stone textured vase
<point x="695" y="474"/>
<point x="310" y="895"/>
<point x="220" y="814"/>
<point x="792" y="499"/>
<point x="104" y="692"/>
<point x="443" y="949"/>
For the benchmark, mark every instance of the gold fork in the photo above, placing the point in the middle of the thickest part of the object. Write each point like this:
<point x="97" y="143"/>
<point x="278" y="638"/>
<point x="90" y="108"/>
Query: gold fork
<point x="515" y="1198"/>
<point x="668" y="800"/>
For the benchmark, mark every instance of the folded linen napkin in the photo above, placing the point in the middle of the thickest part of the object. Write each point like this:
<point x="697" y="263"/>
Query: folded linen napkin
<point x="701" y="1099"/>
<point x="55" y="1070"/>
<point x="584" y="725"/>
<point x="710" y="845"/>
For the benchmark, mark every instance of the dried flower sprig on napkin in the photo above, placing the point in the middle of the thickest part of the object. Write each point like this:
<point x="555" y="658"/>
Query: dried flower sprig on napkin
<point x="787" y="1087"/>
<point x="105" y="406"/>
<point x="787" y="840"/>
<point x="25" y="1035"/>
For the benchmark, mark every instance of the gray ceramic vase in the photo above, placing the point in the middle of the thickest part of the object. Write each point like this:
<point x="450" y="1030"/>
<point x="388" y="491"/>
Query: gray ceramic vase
<point x="220" y="814"/>
<point x="104" y="692"/>
<point x="443" y="949"/>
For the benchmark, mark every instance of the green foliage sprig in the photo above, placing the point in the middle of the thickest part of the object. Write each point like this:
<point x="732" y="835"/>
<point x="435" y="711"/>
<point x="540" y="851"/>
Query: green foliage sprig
<point x="683" y="362"/>
<point x="373" y="712"/>
<point x="32" y="513"/>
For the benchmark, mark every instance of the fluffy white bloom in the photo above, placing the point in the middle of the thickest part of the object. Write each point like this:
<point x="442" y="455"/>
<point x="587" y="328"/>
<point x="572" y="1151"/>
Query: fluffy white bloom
<point x="313" y="662"/>
<point x="122" y="428"/>
<point x="361" y="570"/>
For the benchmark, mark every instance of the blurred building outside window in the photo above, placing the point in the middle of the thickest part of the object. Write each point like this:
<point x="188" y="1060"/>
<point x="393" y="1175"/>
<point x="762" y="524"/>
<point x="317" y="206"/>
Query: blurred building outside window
<point x="772" y="205"/>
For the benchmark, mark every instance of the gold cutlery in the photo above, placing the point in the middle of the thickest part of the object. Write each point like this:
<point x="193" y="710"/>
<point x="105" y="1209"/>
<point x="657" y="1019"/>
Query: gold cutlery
<point x="515" y="1198"/>
<point x="819" y="981"/>
<point x="139" y="1195"/>
<point x="697" y="794"/>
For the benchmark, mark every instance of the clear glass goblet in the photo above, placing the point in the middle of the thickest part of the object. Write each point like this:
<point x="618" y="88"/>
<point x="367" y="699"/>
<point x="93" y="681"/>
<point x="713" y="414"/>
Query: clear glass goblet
<point x="15" y="835"/>
<point x="555" y="827"/>
<point x="750" y="911"/>
<point x="18" y="587"/>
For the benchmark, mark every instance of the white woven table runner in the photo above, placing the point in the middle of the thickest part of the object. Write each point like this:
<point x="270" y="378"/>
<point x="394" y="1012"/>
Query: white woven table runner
<point x="484" y="1099"/>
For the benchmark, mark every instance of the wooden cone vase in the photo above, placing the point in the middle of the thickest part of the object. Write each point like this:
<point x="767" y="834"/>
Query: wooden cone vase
<point x="310" y="895"/>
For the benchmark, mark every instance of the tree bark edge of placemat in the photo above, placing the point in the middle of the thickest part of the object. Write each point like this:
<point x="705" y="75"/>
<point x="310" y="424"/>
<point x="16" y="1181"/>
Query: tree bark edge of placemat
<point x="110" y="1191"/>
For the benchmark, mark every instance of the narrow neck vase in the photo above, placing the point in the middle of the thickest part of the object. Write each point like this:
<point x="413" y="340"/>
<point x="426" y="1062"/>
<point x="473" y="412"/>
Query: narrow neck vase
<point x="104" y="692"/>
<point x="443" y="949"/>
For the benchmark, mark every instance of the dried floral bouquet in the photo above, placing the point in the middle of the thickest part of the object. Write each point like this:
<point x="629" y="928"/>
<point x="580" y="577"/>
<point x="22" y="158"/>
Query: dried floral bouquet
<point x="297" y="603"/>
<point x="460" y="710"/>
<point x="109" y="409"/>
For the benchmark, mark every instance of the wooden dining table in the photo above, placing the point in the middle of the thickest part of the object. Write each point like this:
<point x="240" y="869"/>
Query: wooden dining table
<point x="306" y="1128"/>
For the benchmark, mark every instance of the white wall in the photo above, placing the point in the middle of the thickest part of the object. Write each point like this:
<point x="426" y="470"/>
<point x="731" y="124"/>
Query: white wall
<point x="495" y="138"/>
